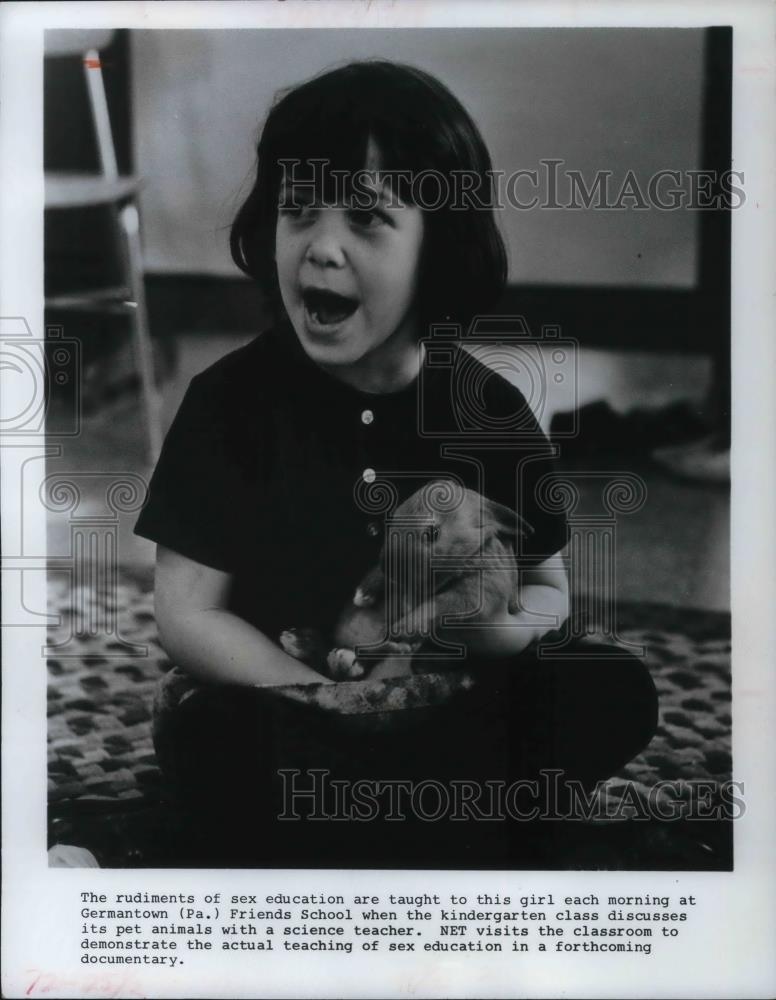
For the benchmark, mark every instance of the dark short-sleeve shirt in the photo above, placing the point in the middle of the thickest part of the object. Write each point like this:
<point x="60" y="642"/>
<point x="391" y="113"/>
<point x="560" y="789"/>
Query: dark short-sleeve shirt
<point x="262" y="471"/>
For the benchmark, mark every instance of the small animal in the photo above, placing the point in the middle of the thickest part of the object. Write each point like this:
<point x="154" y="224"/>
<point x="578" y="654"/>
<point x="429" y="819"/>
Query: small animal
<point x="448" y="552"/>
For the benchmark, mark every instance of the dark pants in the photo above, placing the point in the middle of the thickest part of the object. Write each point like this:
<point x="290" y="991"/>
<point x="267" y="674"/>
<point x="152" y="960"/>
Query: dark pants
<point x="238" y="758"/>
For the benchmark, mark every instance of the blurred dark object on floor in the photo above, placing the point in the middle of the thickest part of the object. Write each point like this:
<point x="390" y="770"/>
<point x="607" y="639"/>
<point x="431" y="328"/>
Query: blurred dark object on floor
<point x="106" y="356"/>
<point x="703" y="461"/>
<point x="604" y="431"/>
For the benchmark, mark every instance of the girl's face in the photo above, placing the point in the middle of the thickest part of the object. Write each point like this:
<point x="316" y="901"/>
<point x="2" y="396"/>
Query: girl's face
<point x="348" y="280"/>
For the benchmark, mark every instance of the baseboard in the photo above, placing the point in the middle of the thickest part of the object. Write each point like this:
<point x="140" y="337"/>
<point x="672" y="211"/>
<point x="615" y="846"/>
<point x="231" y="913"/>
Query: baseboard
<point x="643" y="318"/>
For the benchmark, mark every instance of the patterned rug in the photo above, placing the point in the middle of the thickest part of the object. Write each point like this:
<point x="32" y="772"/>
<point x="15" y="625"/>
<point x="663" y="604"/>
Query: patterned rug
<point x="101" y="761"/>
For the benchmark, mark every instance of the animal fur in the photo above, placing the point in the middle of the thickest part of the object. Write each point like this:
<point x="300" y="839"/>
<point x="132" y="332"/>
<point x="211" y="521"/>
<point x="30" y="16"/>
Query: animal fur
<point x="440" y="561"/>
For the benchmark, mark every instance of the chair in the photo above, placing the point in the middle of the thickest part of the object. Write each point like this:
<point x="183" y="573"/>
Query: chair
<point x="108" y="188"/>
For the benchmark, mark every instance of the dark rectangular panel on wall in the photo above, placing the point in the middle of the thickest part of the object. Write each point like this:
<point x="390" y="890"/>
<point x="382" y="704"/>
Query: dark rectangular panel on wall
<point x="78" y="241"/>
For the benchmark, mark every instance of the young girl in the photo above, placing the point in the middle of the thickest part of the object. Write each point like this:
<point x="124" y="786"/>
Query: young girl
<point x="260" y="501"/>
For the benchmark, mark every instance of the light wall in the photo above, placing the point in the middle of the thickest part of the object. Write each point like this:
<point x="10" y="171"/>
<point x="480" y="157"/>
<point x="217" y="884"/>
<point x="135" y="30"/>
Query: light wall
<point x="609" y="99"/>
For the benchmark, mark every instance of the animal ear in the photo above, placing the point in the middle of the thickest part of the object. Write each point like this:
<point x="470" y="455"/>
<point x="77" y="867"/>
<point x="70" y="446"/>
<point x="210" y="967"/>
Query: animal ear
<point x="502" y="520"/>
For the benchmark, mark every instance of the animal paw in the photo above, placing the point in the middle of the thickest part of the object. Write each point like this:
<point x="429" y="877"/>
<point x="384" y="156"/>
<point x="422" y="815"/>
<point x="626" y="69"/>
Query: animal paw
<point x="404" y="646"/>
<point x="303" y="644"/>
<point x="343" y="665"/>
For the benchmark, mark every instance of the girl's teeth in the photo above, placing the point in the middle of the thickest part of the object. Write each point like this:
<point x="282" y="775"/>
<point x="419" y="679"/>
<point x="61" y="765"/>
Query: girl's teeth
<point x="329" y="310"/>
<point x="326" y="318"/>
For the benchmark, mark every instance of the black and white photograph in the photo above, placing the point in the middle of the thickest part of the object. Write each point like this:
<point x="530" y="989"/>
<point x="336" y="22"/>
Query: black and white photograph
<point x="377" y="418"/>
<point x="481" y="390"/>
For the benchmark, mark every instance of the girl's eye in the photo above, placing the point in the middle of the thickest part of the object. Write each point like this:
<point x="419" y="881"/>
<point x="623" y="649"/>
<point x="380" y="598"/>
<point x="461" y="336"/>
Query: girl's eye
<point x="366" y="218"/>
<point x="292" y="211"/>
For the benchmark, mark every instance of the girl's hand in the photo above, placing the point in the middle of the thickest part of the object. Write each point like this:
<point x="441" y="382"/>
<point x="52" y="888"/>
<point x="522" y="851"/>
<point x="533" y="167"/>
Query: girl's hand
<point x="200" y="634"/>
<point x="305" y="644"/>
<point x="345" y="666"/>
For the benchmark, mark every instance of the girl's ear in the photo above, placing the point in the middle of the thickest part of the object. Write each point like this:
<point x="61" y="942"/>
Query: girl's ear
<point x="499" y="519"/>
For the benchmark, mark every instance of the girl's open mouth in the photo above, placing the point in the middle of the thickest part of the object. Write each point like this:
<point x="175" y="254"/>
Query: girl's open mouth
<point x="326" y="308"/>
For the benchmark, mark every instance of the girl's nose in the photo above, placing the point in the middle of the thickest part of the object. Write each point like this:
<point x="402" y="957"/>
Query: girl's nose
<point x="326" y="245"/>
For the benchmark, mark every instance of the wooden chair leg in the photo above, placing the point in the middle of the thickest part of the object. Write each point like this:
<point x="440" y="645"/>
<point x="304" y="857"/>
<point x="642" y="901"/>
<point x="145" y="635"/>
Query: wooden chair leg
<point x="129" y="221"/>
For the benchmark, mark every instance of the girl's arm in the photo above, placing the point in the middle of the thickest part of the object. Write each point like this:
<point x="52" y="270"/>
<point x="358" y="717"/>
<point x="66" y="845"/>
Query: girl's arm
<point x="541" y="605"/>
<point x="210" y="642"/>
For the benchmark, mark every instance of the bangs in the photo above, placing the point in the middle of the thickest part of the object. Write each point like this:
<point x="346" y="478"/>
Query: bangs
<point x="322" y="136"/>
<point x="314" y="148"/>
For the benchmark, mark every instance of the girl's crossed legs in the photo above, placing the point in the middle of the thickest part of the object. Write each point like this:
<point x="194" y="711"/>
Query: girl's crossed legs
<point x="543" y="722"/>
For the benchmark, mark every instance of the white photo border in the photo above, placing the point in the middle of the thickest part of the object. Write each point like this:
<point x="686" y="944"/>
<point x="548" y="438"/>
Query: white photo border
<point x="727" y="950"/>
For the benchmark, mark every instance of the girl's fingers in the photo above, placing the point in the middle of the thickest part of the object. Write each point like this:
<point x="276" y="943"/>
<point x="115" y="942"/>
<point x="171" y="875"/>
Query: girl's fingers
<point x="343" y="665"/>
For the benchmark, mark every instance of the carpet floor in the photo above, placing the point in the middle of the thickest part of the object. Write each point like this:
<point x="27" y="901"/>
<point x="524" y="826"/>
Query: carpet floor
<point x="106" y="792"/>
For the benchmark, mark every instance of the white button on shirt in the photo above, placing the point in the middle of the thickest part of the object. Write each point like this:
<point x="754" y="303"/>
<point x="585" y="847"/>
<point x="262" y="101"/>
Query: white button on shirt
<point x="367" y="417"/>
<point x="369" y="475"/>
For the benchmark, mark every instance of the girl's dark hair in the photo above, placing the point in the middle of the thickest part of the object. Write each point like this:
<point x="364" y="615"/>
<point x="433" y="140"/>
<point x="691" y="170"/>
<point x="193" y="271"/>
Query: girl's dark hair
<point x="417" y="125"/>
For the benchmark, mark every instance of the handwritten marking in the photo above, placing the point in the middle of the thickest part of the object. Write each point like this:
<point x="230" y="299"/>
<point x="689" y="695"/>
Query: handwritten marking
<point x="103" y="985"/>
